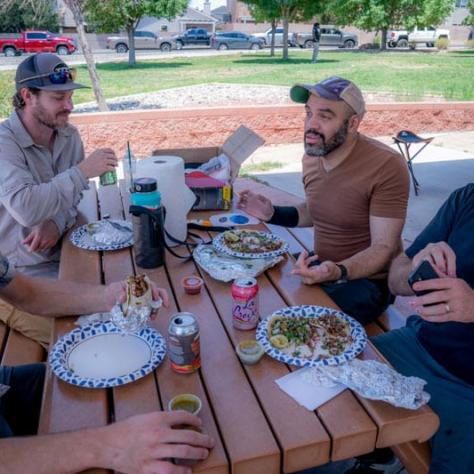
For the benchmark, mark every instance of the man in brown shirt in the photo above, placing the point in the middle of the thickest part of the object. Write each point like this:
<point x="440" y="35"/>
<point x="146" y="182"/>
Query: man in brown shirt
<point x="356" y="198"/>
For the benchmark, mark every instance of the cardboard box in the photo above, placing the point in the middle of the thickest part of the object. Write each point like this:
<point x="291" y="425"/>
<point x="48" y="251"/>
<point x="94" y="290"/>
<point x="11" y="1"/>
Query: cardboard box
<point x="212" y="193"/>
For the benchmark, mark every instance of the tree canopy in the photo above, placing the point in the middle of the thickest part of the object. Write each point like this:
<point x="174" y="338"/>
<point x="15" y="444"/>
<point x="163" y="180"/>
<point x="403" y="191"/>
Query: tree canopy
<point x="470" y="19"/>
<point x="21" y="15"/>
<point x="382" y="15"/>
<point x="286" y="11"/>
<point x="116" y="15"/>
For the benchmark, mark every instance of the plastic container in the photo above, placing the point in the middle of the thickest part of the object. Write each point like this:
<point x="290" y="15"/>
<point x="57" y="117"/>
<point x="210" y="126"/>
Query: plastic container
<point x="192" y="284"/>
<point x="187" y="402"/>
<point x="249" y="351"/>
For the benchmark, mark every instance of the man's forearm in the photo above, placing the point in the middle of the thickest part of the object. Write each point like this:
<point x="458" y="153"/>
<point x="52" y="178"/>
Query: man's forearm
<point x="47" y="297"/>
<point x="398" y="276"/>
<point x="375" y="259"/>
<point x="50" y="454"/>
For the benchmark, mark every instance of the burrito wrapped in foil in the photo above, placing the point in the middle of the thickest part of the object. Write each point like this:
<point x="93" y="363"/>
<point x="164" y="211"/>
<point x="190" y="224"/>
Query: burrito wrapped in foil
<point x="374" y="380"/>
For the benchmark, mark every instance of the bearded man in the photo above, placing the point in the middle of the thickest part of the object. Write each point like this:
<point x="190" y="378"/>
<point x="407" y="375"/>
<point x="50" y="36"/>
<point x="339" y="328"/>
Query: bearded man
<point x="356" y="191"/>
<point x="43" y="176"/>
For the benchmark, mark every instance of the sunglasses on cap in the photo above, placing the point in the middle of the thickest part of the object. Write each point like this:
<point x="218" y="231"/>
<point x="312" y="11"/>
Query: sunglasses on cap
<point x="61" y="76"/>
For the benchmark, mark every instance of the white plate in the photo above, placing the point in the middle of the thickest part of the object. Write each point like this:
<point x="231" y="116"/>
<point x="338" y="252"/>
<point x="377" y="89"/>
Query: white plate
<point x="231" y="219"/>
<point x="359" y="336"/>
<point x="83" y="236"/>
<point x="101" y="355"/>
<point x="221" y="246"/>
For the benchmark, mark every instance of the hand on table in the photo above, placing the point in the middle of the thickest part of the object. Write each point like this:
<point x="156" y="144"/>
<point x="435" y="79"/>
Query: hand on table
<point x="117" y="293"/>
<point x="145" y="443"/>
<point x="440" y="255"/>
<point x="98" y="162"/>
<point x="325" y="271"/>
<point x="42" y="237"/>
<point x="256" y="205"/>
<point x="452" y="300"/>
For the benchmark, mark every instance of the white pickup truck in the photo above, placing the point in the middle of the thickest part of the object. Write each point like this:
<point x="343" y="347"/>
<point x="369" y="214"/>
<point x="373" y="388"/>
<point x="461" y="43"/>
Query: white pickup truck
<point x="267" y="36"/>
<point x="403" y="39"/>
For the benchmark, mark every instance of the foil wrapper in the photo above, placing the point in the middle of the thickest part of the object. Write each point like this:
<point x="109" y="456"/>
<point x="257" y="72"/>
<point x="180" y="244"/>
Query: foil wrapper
<point x="109" y="232"/>
<point x="374" y="380"/>
<point x="226" y="268"/>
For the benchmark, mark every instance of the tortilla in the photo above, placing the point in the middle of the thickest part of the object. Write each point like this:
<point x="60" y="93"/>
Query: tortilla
<point x="138" y="293"/>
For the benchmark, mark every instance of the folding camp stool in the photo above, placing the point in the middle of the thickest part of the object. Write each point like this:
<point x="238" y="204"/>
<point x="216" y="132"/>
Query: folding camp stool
<point x="407" y="138"/>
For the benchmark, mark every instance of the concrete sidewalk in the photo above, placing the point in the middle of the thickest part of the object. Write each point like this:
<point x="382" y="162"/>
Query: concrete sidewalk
<point x="443" y="166"/>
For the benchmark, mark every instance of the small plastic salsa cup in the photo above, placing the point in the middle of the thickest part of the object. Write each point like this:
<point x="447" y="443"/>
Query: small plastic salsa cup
<point x="192" y="284"/>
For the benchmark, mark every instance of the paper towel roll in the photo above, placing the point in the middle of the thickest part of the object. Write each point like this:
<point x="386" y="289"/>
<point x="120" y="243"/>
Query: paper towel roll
<point x="176" y="197"/>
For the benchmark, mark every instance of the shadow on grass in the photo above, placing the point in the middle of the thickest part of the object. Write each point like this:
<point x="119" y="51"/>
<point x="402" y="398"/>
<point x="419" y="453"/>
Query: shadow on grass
<point x="140" y="66"/>
<point x="462" y="53"/>
<point x="270" y="60"/>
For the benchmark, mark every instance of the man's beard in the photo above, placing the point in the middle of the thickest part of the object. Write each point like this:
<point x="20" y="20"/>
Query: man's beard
<point x="46" y="118"/>
<point x="335" y="142"/>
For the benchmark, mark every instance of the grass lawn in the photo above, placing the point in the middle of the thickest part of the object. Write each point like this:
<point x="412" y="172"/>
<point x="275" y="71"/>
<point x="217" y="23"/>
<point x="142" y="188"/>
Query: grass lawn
<point x="406" y="75"/>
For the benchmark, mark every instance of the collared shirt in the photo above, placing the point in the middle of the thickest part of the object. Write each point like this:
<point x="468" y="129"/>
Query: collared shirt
<point x="37" y="185"/>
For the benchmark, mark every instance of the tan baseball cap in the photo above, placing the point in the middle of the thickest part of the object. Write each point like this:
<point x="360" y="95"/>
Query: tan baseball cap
<point x="332" y="88"/>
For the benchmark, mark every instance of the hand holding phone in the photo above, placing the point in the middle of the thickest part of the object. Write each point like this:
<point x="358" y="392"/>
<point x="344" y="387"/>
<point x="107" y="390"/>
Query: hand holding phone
<point x="424" y="271"/>
<point x="314" y="263"/>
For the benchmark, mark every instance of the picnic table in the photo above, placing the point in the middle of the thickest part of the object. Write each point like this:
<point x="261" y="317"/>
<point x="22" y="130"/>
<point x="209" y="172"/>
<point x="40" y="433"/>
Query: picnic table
<point x="257" y="427"/>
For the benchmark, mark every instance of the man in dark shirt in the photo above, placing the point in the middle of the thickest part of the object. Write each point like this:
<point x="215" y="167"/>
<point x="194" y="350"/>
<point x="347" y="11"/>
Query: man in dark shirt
<point x="438" y="343"/>
<point x="316" y="39"/>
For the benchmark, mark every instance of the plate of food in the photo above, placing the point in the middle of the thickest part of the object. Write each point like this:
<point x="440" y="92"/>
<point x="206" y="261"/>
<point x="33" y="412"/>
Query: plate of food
<point x="311" y="336"/>
<point x="106" y="234"/>
<point x="101" y="355"/>
<point x="246" y="243"/>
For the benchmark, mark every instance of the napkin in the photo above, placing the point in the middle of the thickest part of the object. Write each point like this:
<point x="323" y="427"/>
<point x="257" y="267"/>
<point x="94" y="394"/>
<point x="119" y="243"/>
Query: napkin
<point x="300" y="386"/>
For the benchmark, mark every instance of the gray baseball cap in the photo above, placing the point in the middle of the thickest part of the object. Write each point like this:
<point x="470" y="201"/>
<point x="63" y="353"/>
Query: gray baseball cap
<point x="46" y="71"/>
<point x="332" y="88"/>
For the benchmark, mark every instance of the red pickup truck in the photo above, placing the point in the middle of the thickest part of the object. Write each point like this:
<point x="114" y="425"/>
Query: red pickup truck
<point x="35" y="42"/>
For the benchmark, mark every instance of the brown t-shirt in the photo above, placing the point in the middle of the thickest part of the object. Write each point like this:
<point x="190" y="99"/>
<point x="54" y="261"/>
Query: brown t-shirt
<point x="372" y="181"/>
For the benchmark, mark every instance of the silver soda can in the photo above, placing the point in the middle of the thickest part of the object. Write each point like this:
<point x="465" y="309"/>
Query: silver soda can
<point x="245" y="303"/>
<point x="183" y="343"/>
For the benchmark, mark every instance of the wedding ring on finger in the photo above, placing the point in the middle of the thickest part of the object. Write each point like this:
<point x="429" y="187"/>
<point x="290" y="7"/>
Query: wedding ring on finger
<point x="447" y="308"/>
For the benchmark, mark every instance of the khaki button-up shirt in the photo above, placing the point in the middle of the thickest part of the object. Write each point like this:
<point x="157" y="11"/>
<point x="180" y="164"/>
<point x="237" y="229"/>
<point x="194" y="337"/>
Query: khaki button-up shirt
<point x="37" y="185"/>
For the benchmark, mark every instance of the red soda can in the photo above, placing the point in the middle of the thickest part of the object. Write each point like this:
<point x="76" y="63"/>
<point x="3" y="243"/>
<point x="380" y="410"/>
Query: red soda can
<point x="245" y="303"/>
<point x="183" y="343"/>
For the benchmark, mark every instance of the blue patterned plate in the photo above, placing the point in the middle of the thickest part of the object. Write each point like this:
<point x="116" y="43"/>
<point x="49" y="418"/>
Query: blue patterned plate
<point x="221" y="245"/>
<point x="102" y="355"/>
<point x="359" y="337"/>
<point x="103" y="235"/>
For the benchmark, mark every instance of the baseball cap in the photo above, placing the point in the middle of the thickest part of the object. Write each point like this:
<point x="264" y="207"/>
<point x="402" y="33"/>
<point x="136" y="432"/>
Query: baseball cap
<point x="46" y="71"/>
<point x="332" y="88"/>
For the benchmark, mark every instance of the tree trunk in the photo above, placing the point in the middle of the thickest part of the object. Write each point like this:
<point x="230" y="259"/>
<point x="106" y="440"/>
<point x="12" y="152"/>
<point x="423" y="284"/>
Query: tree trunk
<point x="132" y="60"/>
<point x="86" y="51"/>
<point x="286" y="22"/>
<point x="383" y="40"/>
<point x="272" y="45"/>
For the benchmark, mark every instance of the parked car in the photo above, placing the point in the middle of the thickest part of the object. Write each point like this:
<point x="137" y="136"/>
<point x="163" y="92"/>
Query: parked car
<point x="267" y="36"/>
<point x="35" y="42"/>
<point x="330" y="36"/>
<point x="197" y="36"/>
<point x="235" y="40"/>
<point x="143" y="40"/>
<point x="403" y="38"/>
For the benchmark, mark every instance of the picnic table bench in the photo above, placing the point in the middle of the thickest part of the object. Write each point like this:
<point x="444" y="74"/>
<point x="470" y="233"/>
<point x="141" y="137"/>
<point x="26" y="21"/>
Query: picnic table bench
<point x="257" y="427"/>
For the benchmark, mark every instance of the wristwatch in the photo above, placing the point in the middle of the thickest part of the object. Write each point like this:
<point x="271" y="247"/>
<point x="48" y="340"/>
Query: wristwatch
<point x="343" y="278"/>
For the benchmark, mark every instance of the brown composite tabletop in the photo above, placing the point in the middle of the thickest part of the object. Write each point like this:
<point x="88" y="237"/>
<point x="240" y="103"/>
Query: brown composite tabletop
<point x="257" y="427"/>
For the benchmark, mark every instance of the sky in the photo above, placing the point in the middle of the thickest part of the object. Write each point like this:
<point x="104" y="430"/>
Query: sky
<point x="199" y="3"/>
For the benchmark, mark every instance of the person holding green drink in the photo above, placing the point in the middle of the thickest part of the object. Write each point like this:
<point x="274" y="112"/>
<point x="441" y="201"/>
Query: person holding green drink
<point x="44" y="172"/>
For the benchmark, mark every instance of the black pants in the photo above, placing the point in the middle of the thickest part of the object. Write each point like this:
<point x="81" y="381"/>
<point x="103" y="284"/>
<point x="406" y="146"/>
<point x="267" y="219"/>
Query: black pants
<point x="20" y="406"/>
<point x="363" y="299"/>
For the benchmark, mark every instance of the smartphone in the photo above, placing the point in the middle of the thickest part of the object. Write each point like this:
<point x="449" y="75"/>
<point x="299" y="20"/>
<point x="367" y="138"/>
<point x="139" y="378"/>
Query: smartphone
<point x="424" y="271"/>
<point x="310" y="254"/>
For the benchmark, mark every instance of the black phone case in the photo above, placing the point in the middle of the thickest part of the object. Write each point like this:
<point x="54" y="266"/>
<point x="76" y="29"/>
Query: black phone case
<point x="424" y="271"/>
<point x="310" y="254"/>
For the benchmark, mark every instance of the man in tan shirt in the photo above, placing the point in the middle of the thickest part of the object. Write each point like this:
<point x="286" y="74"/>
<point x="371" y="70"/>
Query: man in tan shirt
<point x="356" y="198"/>
<point x="43" y="175"/>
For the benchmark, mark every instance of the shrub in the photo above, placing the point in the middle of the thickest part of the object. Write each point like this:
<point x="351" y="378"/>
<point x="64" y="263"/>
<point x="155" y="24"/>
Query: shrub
<point x="442" y="43"/>
<point x="470" y="44"/>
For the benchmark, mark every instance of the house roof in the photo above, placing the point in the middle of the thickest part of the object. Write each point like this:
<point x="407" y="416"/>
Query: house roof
<point x="191" y="14"/>
<point x="222" y="10"/>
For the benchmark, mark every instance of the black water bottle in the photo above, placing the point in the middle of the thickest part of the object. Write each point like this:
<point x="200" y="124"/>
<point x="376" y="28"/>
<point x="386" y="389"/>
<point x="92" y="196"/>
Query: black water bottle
<point x="148" y="223"/>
